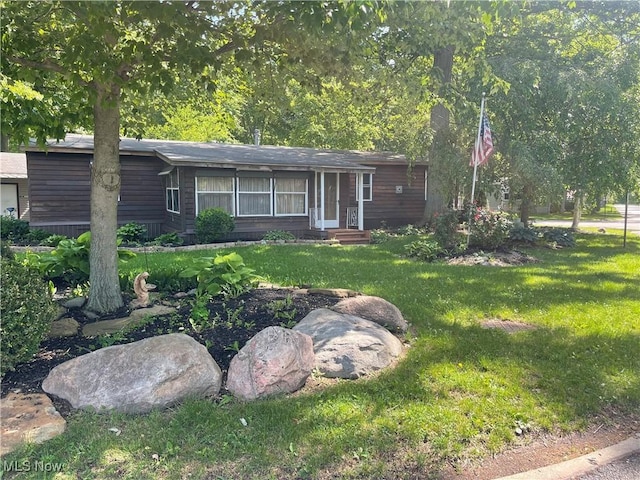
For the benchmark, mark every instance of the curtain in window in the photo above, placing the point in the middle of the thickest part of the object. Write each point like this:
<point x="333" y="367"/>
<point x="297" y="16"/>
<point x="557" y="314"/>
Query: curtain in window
<point x="215" y="192"/>
<point x="291" y="196"/>
<point x="254" y="196"/>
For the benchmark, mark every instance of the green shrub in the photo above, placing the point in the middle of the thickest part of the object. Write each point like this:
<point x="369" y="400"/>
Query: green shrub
<point x="562" y="237"/>
<point x="222" y="274"/>
<point x="411" y="230"/>
<point x="275" y="235"/>
<point x="12" y="228"/>
<point x="213" y="224"/>
<point x="446" y="230"/>
<point x="380" y="235"/>
<point x="168" y="240"/>
<point x="70" y="259"/>
<point x="5" y="250"/>
<point x="424" y="250"/>
<point x="132" y="233"/>
<point x="521" y="234"/>
<point x="53" y="240"/>
<point x="27" y="310"/>
<point x="489" y="230"/>
<point x="35" y="236"/>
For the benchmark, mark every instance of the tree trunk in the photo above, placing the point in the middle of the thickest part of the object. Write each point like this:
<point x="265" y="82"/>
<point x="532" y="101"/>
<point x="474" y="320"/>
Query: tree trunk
<point x="577" y="211"/>
<point x="440" y="124"/>
<point x="104" y="292"/>
<point x="4" y="143"/>
<point x="525" y="206"/>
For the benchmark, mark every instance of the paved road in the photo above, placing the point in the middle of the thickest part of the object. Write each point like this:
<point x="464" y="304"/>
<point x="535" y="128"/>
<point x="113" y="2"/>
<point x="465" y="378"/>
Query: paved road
<point x="633" y="221"/>
<point x="625" y="469"/>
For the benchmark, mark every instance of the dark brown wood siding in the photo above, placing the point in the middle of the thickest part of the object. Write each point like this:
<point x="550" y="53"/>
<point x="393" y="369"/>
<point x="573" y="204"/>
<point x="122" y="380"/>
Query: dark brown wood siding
<point x="142" y="190"/>
<point x="387" y="205"/>
<point x="59" y="187"/>
<point x="60" y="191"/>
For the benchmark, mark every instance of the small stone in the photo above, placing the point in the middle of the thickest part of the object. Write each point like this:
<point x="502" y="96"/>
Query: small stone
<point x="518" y="431"/>
<point x="65" y="327"/>
<point x="77" y="302"/>
<point x="91" y="315"/>
<point x="333" y="292"/>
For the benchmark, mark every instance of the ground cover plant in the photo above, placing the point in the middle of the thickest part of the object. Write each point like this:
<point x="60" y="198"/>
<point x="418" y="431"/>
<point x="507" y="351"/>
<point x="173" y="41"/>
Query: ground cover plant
<point x="460" y="393"/>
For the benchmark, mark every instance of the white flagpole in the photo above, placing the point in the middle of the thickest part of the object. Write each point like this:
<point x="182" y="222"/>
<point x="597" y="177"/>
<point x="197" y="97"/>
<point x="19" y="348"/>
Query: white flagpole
<point x="475" y="165"/>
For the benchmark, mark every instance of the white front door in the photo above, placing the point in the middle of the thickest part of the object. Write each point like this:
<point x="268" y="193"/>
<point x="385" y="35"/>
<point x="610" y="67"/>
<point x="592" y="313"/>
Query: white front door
<point x="329" y="185"/>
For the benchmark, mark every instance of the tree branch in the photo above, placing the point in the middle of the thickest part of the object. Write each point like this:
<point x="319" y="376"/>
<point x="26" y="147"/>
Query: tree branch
<point x="46" y="65"/>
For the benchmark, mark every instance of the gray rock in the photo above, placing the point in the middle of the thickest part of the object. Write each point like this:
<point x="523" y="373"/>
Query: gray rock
<point x="91" y="315"/>
<point x="276" y="360"/>
<point x="65" y="327"/>
<point x="76" y="302"/>
<point x="375" y="309"/>
<point x="347" y="346"/>
<point x="106" y="327"/>
<point x="60" y="312"/>
<point x="137" y="377"/>
<point x="152" y="311"/>
<point x="28" y="418"/>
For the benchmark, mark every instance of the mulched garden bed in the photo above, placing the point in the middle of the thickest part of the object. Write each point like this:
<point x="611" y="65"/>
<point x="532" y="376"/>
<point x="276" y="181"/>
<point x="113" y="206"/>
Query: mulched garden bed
<point x="233" y="322"/>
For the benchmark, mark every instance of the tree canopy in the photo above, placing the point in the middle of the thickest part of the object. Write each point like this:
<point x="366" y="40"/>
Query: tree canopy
<point x="562" y="82"/>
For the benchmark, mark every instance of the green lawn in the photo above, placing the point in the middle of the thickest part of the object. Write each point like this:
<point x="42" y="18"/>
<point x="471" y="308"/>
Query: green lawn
<point x="459" y="393"/>
<point x="608" y="212"/>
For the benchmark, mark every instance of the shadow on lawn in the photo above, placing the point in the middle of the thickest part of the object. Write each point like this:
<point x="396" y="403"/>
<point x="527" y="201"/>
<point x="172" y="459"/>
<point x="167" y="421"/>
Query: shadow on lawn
<point x="458" y="393"/>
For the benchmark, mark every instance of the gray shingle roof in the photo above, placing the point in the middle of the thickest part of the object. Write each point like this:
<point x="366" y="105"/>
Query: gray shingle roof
<point x="13" y="165"/>
<point x="238" y="156"/>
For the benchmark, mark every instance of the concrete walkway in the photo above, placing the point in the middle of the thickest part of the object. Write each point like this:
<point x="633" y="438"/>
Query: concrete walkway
<point x="612" y="457"/>
<point x="633" y="221"/>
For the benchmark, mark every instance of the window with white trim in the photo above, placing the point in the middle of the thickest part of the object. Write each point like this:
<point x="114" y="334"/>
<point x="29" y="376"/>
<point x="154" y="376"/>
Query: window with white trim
<point x="291" y="196"/>
<point x="215" y="192"/>
<point x="173" y="191"/>
<point x="367" y="187"/>
<point x="254" y="196"/>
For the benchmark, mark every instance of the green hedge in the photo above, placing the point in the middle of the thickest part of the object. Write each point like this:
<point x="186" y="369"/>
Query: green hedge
<point x="26" y="309"/>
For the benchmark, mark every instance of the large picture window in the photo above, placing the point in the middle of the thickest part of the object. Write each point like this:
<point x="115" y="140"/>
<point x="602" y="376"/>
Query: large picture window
<point x="254" y="196"/>
<point x="367" y="187"/>
<point x="215" y="192"/>
<point x="173" y="192"/>
<point x="291" y="196"/>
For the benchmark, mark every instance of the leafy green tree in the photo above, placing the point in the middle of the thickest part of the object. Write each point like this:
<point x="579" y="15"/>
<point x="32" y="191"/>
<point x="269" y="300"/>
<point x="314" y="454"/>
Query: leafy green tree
<point x="109" y="54"/>
<point x="564" y="123"/>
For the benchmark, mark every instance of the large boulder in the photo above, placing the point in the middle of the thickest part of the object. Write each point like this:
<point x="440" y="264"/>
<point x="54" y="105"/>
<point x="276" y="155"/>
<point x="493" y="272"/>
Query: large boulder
<point x="347" y="346"/>
<point x="137" y="377"/>
<point x="375" y="309"/>
<point x="276" y="360"/>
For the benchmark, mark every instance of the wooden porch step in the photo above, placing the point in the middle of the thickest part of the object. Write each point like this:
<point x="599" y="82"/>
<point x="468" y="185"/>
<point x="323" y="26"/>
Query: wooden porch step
<point x="350" y="236"/>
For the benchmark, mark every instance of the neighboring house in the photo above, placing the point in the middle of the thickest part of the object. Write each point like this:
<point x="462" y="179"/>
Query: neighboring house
<point x="164" y="184"/>
<point x="14" y="188"/>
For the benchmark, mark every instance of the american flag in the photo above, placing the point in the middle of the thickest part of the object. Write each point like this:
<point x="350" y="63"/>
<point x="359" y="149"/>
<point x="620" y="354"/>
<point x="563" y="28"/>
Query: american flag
<point x="484" y="144"/>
